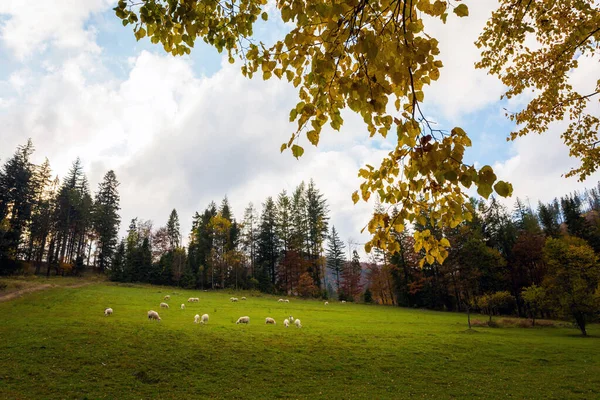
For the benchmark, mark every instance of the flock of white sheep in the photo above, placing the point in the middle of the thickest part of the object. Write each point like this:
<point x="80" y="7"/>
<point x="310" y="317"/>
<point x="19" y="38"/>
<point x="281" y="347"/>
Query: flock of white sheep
<point x="153" y="315"/>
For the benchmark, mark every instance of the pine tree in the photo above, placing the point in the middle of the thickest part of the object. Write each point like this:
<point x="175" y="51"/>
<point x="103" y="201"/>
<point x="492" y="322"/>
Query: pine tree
<point x="205" y="242"/>
<point x="41" y="217"/>
<point x="72" y="214"/>
<point x="117" y="267"/>
<point x="225" y="209"/>
<point x="549" y="215"/>
<point x="284" y="223"/>
<point x="173" y="229"/>
<point x="268" y="242"/>
<point x="106" y="217"/>
<point x="299" y="236"/>
<point x="250" y="235"/>
<point x="132" y="265"/>
<point x="17" y="196"/>
<point x="335" y="256"/>
<point x="317" y="224"/>
<point x="351" y="278"/>
<point x="525" y="219"/>
<point x="576" y="223"/>
<point x="145" y="258"/>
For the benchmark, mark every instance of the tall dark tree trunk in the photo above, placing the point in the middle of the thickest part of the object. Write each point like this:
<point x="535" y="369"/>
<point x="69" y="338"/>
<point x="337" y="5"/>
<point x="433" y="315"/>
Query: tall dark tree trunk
<point x="580" y="320"/>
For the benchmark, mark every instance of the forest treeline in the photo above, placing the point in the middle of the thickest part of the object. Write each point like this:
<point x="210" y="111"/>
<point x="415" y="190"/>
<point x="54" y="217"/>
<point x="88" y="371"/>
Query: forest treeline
<point x="537" y="261"/>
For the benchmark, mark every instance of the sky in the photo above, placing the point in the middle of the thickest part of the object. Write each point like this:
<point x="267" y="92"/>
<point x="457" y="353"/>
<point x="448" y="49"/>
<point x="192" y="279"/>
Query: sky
<point x="180" y="132"/>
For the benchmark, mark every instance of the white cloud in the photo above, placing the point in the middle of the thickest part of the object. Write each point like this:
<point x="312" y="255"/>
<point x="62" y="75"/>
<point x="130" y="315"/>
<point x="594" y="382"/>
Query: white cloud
<point x="177" y="140"/>
<point x="538" y="161"/>
<point x="462" y="89"/>
<point x="31" y="26"/>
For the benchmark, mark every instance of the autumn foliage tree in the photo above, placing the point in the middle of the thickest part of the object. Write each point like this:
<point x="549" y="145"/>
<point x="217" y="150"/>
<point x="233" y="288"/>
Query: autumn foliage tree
<point x="371" y="56"/>
<point x="572" y="279"/>
<point x="306" y="285"/>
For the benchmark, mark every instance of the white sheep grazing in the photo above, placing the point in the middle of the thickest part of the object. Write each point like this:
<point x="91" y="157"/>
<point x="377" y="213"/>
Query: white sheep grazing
<point x="343" y="301"/>
<point x="234" y="299"/>
<point x="108" y="312"/>
<point x="291" y="319"/>
<point x="280" y="301"/>
<point x="191" y="300"/>
<point x="204" y="319"/>
<point x="270" y="320"/>
<point x="182" y="306"/>
<point x="243" y="298"/>
<point x="196" y="318"/>
<point x="286" y="323"/>
<point x="164" y="305"/>
<point x="243" y="320"/>
<point x="153" y="315"/>
<point x="298" y="323"/>
<point x="167" y="297"/>
<point x="326" y="303"/>
<point x="287" y="301"/>
<point x="196" y="300"/>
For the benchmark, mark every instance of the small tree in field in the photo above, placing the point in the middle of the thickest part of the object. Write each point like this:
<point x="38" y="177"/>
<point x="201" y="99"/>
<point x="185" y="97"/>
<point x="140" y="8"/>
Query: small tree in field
<point x="306" y="285"/>
<point x="491" y="304"/>
<point x="535" y="298"/>
<point x="572" y="279"/>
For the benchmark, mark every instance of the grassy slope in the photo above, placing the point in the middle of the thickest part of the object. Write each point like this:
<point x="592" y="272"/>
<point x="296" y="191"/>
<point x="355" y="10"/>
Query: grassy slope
<point x="57" y="344"/>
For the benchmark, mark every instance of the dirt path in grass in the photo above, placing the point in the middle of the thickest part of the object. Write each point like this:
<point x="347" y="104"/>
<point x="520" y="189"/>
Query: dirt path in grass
<point x="19" y="293"/>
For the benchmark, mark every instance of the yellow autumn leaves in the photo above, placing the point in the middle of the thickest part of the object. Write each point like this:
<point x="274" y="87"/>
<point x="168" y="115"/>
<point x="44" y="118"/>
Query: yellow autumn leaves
<point x="373" y="57"/>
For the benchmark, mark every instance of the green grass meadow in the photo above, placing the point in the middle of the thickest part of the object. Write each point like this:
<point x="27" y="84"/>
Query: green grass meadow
<point x="57" y="343"/>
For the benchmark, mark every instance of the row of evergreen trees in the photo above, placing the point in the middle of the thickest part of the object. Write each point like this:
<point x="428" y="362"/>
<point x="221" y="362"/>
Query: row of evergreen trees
<point x="280" y="249"/>
<point x="57" y="225"/>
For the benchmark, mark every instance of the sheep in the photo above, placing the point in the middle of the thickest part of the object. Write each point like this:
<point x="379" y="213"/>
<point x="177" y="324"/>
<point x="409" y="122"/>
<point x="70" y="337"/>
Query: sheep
<point x="196" y="318"/>
<point x="298" y="323"/>
<point x="196" y="300"/>
<point x="286" y="323"/>
<point x="326" y="303"/>
<point x="167" y="297"/>
<point x="243" y="320"/>
<point x="234" y="299"/>
<point x="280" y="301"/>
<point x="204" y="319"/>
<point x="270" y="320"/>
<point x="108" y="312"/>
<point x="291" y="319"/>
<point x="182" y="306"/>
<point x="164" y="305"/>
<point x="243" y="298"/>
<point x="191" y="300"/>
<point x="343" y="301"/>
<point x="153" y="315"/>
<point x="287" y="301"/>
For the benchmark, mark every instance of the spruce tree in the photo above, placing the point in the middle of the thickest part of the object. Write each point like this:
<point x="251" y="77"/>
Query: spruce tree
<point x="317" y="224"/>
<point x="40" y="225"/>
<point x="17" y="196"/>
<point x="173" y="229"/>
<point x="335" y="256"/>
<point x="268" y="243"/>
<point x="225" y="209"/>
<point x="117" y="267"/>
<point x="106" y="217"/>
<point x="250" y="235"/>
<point x="549" y="215"/>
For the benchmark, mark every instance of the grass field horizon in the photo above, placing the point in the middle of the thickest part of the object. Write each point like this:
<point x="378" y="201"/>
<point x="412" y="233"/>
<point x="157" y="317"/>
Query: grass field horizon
<point x="57" y="343"/>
